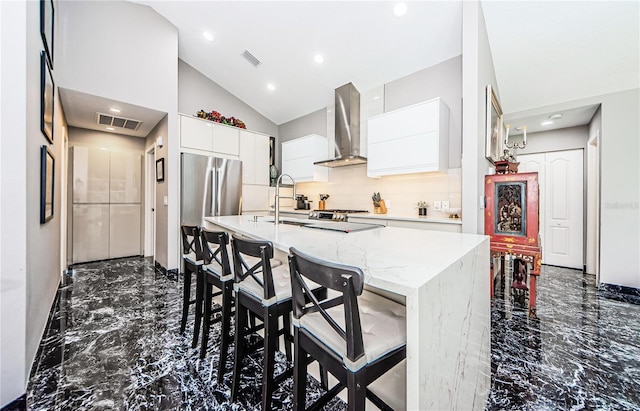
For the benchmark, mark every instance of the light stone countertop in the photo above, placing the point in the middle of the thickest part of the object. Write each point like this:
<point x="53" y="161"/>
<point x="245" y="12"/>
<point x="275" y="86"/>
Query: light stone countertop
<point x="443" y="279"/>
<point x="393" y="259"/>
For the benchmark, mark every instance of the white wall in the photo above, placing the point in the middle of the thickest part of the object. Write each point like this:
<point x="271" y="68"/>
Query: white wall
<point x="477" y="73"/>
<point x="125" y="63"/>
<point x="568" y="138"/>
<point x="13" y="193"/>
<point x="197" y="92"/>
<point x="161" y="215"/>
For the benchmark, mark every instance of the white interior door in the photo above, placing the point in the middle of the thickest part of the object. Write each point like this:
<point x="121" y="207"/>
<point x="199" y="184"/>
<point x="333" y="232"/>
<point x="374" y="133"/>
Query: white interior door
<point x="531" y="163"/>
<point x="565" y="208"/>
<point x="560" y="175"/>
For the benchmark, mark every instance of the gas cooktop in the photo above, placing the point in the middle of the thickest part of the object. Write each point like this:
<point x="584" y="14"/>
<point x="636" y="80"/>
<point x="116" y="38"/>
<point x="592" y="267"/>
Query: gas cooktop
<point x="333" y="214"/>
<point x="339" y="210"/>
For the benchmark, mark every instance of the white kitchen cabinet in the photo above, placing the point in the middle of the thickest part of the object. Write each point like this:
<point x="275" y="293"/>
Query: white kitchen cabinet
<point x="412" y="139"/>
<point x="298" y="156"/>
<point x="125" y="177"/>
<point x="254" y="154"/>
<point x="90" y="175"/>
<point x="90" y="232"/>
<point x="124" y="230"/>
<point x="205" y="135"/>
<point x="255" y="197"/>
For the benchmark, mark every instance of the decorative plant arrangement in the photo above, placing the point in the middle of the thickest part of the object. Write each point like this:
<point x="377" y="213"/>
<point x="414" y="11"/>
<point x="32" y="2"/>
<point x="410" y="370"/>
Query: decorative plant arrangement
<point x="422" y="208"/>
<point x="379" y="207"/>
<point x="219" y="118"/>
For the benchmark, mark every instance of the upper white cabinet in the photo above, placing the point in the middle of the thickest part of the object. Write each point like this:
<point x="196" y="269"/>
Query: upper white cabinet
<point x="205" y="135"/>
<point x="412" y="139"/>
<point x="254" y="154"/>
<point x="299" y="155"/>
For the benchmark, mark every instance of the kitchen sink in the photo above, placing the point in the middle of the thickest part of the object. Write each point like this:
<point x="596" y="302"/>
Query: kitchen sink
<point x="289" y="222"/>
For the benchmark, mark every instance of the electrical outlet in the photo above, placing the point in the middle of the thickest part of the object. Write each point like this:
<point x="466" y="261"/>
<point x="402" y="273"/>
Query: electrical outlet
<point x="437" y="206"/>
<point x="387" y="203"/>
<point x="445" y="205"/>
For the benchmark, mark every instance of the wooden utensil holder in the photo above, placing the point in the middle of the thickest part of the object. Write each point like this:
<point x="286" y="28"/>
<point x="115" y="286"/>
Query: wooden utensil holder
<point x="381" y="209"/>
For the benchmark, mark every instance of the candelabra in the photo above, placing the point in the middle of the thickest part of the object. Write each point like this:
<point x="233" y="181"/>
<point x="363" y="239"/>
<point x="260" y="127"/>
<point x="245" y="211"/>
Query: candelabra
<point x="516" y="144"/>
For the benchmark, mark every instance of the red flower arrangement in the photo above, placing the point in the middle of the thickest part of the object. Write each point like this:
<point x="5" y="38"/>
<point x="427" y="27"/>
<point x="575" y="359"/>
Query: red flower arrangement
<point x="219" y="118"/>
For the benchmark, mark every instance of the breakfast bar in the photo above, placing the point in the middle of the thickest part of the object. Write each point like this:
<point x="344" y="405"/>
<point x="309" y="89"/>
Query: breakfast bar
<point x="441" y="279"/>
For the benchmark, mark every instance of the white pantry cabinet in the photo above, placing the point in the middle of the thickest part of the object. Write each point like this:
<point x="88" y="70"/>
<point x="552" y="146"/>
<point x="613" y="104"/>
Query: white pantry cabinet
<point x="208" y="136"/>
<point x="254" y="154"/>
<point x="298" y="156"/>
<point x="412" y="139"/>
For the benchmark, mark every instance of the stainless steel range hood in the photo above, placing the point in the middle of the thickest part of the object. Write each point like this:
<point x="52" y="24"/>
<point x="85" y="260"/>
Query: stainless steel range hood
<point x="347" y="115"/>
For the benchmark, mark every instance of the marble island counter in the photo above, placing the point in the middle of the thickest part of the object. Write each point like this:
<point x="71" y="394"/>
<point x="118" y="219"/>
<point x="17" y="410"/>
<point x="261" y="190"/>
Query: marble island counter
<point x="441" y="277"/>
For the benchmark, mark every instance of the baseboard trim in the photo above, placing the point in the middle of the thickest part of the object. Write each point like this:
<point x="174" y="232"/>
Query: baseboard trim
<point x="171" y="274"/>
<point x="19" y="404"/>
<point x="620" y="292"/>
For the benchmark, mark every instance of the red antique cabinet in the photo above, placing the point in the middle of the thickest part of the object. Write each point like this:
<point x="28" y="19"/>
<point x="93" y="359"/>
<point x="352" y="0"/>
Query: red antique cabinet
<point x="511" y="221"/>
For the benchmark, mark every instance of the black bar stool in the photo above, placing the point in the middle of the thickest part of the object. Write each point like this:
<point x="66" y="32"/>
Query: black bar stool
<point x="192" y="258"/>
<point x="358" y="336"/>
<point x="265" y="292"/>
<point x="217" y="272"/>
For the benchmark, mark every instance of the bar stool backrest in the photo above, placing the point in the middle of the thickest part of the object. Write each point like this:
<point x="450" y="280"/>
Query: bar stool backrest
<point x="191" y="241"/>
<point x="263" y="250"/>
<point x="219" y="240"/>
<point x="347" y="280"/>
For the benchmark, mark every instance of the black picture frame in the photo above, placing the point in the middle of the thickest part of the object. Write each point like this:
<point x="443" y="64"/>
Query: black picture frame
<point x="47" y="94"/>
<point x="47" y="183"/>
<point x="47" y="14"/>
<point x="160" y="169"/>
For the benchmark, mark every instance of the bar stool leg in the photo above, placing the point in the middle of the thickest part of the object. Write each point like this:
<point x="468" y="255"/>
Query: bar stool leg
<point x="357" y="392"/>
<point x="199" y="292"/>
<point x="227" y="297"/>
<point x="241" y="325"/>
<point x="186" y="296"/>
<point x="207" y="319"/>
<point x="299" y="375"/>
<point x="270" y="346"/>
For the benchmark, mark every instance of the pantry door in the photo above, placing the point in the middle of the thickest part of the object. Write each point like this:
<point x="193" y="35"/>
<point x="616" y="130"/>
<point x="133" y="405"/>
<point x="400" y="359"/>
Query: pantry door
<point x="560" y="175"/>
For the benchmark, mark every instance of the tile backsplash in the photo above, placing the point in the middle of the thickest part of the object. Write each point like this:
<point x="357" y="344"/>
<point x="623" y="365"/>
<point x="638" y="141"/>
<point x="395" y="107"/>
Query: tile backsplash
<point x="349" y="187"/>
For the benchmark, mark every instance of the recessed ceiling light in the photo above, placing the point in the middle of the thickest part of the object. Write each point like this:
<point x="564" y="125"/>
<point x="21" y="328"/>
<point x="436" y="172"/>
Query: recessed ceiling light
<point x="271" y="86"/>
<point x="400" y="9"/>
<point x="555" y="116"/>
<point x="207" y="35"/>
<point x="318" y="58"/>
<point x="376" y="98"/>
<point x="519" y="128"/>
<point x="115" y="110"/>
<point x="111" y="129"/>
<point x="546" y="123"/>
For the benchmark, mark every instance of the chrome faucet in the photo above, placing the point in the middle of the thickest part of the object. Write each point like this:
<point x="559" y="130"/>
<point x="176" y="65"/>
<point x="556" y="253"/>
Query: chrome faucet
<point x="277" y="199"/>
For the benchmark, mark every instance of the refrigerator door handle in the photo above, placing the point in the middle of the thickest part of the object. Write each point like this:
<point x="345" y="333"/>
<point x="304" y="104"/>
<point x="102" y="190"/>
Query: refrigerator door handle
<point x="217" y="194"/>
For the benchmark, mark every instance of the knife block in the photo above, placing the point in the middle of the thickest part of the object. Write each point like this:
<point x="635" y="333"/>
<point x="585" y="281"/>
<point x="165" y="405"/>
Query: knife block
<point x="381" y="209"/>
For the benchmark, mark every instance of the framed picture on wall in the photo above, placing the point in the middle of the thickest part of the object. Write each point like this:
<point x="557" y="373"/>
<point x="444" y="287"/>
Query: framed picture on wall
<point x="511" y="211"/>
<point x="160" y="169"/>
<point x="47" y="89"/>
<point x="272" y="150"/>
<point x="46" y="27"/>
<point x="494" y="126"/>
<point x="47" y="169"/>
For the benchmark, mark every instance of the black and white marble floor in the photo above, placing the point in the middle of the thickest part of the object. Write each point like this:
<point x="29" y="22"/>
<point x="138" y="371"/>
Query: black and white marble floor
<point x="113" y="342"/>
<point x="582" y="352"/>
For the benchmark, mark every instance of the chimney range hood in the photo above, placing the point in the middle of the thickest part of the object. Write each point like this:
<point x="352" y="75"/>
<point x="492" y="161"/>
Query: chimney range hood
<point x="347" y="115"/>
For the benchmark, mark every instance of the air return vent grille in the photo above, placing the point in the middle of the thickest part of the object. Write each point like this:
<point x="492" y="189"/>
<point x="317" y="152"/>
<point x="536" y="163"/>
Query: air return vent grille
<point x="252" y="59"/>
<point x="119" y="122"/>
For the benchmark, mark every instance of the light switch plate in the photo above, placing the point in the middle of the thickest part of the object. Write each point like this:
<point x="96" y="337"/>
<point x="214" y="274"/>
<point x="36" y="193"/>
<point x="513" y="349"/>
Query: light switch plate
<point x="166" y="200"/>
<point x="437" y="206"/>
<point x="445" y="205"/>
<point x="387" y="203"/>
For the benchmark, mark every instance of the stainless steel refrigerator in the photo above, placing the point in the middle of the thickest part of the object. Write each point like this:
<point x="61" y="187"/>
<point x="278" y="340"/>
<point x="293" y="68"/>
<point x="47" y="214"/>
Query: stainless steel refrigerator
<point x="210" y="186"/>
